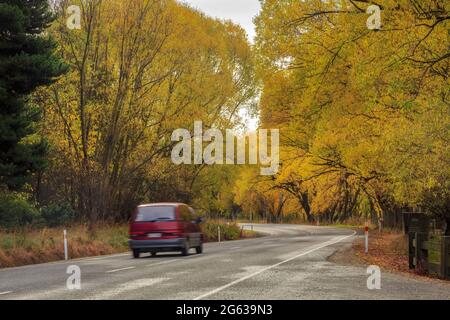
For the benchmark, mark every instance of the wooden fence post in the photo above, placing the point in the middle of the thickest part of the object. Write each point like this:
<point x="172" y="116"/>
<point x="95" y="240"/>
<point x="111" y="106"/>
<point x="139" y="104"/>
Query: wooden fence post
<point x="421" y="262"/>
<point x="411" y="250"/>
<point x="446" y="257"/>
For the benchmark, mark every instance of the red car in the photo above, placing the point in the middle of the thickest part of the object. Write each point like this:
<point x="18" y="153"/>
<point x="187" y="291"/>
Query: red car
<point x="165" y="227"/>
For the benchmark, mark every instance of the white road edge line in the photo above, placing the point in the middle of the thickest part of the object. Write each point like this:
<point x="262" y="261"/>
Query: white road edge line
<point x="121" y="269"/>
<point x="6" y="292"/>
<point x="325" y="244"/>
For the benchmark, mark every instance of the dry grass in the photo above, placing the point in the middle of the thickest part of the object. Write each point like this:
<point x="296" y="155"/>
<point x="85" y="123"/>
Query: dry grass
<point x="38" y="246"/>
<point x="18" y="248"/>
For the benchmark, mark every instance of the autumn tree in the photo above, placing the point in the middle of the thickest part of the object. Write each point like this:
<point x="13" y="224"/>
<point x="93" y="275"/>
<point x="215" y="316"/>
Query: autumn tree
<point x="364" y="120"/>
<point x="140" y="70"/>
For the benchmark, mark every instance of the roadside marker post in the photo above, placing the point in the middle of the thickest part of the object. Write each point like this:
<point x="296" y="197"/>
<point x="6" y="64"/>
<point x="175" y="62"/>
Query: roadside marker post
<point x="66" y="253"/>
<point x="218" y="232"/>
<point x="366" y="233"/>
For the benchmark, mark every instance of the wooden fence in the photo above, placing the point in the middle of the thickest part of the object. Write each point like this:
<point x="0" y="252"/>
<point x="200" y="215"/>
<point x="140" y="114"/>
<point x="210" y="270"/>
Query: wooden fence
<point x="429" y="253"/>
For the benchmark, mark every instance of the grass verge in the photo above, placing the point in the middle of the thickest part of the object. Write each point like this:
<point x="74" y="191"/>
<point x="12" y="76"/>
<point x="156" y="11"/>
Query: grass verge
<point x="31" y="246"/>
<point x="25" y="247"/>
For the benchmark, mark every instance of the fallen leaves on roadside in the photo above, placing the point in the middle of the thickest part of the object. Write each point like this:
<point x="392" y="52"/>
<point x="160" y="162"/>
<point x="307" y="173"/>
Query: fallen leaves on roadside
<point x="387" y="250"/>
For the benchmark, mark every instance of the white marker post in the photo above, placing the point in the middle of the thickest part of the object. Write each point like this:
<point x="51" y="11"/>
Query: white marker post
<point x="218" y="232"/>
<point x="66" y="253"/>
<point x="366" y="232"/>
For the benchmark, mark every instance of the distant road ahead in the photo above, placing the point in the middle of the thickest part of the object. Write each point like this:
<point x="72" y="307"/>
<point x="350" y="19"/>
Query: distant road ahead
<point x="289" y="263"/>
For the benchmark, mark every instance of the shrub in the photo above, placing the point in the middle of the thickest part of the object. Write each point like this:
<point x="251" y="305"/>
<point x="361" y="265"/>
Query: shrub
<point x="228" y="231"/>
<point x="231" y="232"/>
<point x="16" y="212"/>
<point x="57" y="214"/>
<point x="118" y="240"/>
<point x="6" y="243"/>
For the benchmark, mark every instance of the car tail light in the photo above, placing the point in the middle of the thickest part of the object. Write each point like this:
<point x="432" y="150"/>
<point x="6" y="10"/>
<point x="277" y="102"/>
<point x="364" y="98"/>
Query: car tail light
<point x="136" y="234"/>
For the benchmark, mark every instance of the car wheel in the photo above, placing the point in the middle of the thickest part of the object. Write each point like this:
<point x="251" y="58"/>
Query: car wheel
<point x="199" y="249"/>
<point x="136" y="253"/>
<point x="185" y="249"/>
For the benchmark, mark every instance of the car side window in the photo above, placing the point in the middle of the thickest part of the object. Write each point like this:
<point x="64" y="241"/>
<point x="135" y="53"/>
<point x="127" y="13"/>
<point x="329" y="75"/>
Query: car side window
<point x="185" y="214"/>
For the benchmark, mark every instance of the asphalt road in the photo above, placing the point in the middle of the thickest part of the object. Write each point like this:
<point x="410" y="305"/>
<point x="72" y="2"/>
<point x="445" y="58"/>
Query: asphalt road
<point x="289" y="263"/>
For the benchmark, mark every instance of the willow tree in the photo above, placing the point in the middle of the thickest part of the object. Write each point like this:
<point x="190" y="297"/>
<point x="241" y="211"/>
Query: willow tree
<point x="140" y="69"/>
<point x="365" y="118"/>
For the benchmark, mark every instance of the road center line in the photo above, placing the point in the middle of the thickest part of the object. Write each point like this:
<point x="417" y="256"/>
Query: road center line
<point x="324" y="245"/>
<point x="160" y="263"/>
<point x="6" y="292"/>
<point x="87" y="259"/>
<point x="121" y="269"/>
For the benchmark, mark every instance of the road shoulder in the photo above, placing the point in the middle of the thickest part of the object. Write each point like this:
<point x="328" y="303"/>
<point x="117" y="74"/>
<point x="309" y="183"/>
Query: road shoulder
<point x="387" y="251"/>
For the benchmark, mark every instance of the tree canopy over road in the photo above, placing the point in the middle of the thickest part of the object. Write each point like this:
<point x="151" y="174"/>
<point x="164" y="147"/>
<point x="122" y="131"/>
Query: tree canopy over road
<point x="363" y="114"/>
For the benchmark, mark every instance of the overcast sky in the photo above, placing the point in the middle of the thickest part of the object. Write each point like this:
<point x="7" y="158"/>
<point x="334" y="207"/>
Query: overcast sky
<point x="239" y="11"/>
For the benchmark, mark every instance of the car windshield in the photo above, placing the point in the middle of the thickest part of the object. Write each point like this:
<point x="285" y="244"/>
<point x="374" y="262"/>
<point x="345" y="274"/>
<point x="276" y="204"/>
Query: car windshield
<point x="159" y="213"/>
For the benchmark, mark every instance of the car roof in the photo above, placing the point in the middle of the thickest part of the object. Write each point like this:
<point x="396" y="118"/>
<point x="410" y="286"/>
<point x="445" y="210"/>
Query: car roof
<point x="160" y="204"/>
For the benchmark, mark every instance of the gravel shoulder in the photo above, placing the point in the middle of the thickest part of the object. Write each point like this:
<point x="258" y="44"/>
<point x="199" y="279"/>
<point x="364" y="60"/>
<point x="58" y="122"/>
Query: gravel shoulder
<point x="388" y="255"/>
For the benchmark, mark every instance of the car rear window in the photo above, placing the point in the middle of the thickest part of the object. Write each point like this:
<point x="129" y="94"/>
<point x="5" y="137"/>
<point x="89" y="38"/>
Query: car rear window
<point x="163" y="213"/>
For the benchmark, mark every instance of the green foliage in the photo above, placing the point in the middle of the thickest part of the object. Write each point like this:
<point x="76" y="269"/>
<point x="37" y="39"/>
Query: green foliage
<point x="228" y="231"/>
<point x="57" y="214"/>
<point x="436" y="200"/>
<point x="27" y="61"/>
<point x="118" y="240"/>
<point x="7" y="243"/>
<point x="16" y="212"/>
